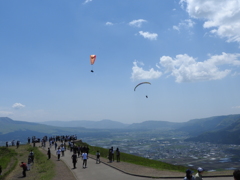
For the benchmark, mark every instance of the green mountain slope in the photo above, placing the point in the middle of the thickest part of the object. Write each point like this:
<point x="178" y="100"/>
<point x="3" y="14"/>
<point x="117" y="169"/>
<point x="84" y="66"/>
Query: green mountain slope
<point x="8" y="125"/>
<point x="196" y="127"/>
<point x="228" y="135"/>
<point x="20" y="130"/>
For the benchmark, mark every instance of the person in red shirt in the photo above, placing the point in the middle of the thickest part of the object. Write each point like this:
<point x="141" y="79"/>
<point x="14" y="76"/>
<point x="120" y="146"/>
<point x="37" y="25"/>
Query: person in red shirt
<point x="24" y="166"/>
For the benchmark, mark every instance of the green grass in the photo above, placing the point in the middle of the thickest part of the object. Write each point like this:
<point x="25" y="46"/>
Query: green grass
<point x="7" y="157"/>
<point x="45" y="167"/>
<point x="136" y="159"/>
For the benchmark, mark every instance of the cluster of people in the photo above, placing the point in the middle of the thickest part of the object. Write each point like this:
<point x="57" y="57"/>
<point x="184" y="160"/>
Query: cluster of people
<point x="111" y="153"/>
<point x="26" y="167"/>
<point x="198" y="175"/>
<point x="13" y="143"/>
<point x="82" y="151"/>
<point x="78" y="151"/>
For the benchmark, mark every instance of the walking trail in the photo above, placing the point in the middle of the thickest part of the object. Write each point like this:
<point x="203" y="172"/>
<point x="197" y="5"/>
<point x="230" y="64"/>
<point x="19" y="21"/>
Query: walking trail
<point x="118" y="170"/>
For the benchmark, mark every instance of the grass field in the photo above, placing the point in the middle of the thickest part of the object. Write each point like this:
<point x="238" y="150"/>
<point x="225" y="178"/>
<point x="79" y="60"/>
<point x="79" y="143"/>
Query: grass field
<point x="10" y="158"/>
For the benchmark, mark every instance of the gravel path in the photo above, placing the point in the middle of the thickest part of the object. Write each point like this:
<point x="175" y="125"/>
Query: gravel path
<point x="61" y="169"/>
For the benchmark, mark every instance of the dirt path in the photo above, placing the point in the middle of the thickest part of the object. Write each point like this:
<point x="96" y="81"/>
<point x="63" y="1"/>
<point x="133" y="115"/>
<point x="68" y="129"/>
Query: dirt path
<point x="62" y="172"/>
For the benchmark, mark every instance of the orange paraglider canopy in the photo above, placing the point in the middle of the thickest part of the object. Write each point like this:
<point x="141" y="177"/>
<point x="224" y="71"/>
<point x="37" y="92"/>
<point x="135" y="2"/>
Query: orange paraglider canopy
<point x="92" y="59"/>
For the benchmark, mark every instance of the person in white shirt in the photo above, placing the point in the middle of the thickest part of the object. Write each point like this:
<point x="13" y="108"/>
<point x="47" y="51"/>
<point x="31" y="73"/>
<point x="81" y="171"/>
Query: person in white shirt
<point x="198" y="176"/>
<point x="58" y="152"/>
<point x="84" y="157"/>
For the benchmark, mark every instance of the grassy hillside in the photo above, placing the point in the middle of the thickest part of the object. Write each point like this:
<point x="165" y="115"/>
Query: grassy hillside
<point x="136" y="159"/>
<point x="8" y="125"/>
<point x="20" y="130"/>
<point x="10" y="158"/>
<point x="8" y="161"/>
<point x="198" y="126"/>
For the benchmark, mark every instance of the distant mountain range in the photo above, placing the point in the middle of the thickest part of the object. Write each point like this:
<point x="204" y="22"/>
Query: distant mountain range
<point x="109" y="124"/>
<point x="218" y="129"/>
<point x="103" y="124"/>
<point x="193" y="127"/>
<point x="21" y="130"/>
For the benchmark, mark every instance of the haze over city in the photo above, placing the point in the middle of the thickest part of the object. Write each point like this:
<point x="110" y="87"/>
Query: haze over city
<point x="187" y="49"/>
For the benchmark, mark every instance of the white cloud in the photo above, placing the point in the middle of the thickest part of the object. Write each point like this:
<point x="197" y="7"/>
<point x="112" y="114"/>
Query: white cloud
<point x="87" y="1"/>
<point x="186" y="69"/>
<point x="223" y="16"/>
<point x="18" y="106"/>
<point x="109" y="23"/>
<point x="5" y="113"/>
<point x="186" y="24"/>
<point x="137" y="23"/>
<point x="147" y="35"/>
<point x="176" y="28"/>
<point x="139" y="74"/>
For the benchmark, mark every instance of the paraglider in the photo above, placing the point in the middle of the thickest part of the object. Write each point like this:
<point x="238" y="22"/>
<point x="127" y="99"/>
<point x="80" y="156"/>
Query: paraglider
<point x="141" y="84"/>
<point x="92" y="61"/>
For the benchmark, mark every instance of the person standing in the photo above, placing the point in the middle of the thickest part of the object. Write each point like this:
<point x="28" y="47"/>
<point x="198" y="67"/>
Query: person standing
<point x="18" y="142"/>
<point x="7" y="144"/>
<point x="79" y="150"/>
<point x="29" y="163"/>
<point x="62" y="150"/>
<point x="58" y="153"/>
<point x="49" y="153"/>
<point x="0" y="170"/>
<point x="112" y="154"/>
<point x="97" y="157"/>
<point x="55" y="145"/>
<point x="32" y="156"/>
<point x="84" y="157"/>
<point x="24" y="167"/>
<point x="198" y="176"/>
<point x="118" y="155"/>
<point x="74" y="160"/>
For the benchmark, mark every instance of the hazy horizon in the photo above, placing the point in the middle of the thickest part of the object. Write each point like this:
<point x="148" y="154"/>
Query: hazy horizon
<point x="114" y="120"/>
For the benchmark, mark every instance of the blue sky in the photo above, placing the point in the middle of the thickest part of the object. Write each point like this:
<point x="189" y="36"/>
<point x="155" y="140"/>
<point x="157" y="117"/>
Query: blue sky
<point x="187" y="49"/>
